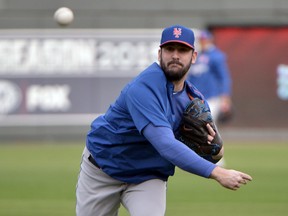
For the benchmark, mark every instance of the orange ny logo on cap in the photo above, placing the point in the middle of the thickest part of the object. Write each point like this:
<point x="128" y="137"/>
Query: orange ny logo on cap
<point x="177" y="32"/>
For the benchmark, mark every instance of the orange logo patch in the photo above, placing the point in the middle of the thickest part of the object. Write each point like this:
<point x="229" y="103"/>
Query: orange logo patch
<point x="177" y="32"/>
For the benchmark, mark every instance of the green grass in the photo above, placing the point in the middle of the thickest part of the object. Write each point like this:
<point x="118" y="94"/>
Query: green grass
<point x="40" y="179"/>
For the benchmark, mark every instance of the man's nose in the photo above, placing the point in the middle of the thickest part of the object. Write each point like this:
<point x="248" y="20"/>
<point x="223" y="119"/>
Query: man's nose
<point x="175" y="54"/>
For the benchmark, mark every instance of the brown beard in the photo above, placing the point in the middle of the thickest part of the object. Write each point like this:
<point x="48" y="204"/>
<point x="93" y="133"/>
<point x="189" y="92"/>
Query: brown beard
<point x="171" y="75"/>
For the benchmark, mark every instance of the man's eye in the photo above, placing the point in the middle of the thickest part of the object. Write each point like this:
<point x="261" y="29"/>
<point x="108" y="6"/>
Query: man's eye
<point x="183" y="50"/>
<point x="169" y="48"/>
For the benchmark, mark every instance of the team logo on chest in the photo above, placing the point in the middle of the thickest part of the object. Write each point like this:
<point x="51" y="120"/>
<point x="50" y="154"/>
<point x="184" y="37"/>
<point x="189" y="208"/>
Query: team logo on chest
<point x="177" y="32"/>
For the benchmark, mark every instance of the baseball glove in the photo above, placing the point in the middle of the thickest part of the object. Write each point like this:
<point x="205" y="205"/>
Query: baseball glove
<point x="194" y="133"/>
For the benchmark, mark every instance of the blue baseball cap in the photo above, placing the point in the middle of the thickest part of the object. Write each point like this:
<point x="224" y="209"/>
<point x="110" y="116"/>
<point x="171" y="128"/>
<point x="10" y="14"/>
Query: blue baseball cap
<point x="178" y="34"/>
<point x="206" y="35"/>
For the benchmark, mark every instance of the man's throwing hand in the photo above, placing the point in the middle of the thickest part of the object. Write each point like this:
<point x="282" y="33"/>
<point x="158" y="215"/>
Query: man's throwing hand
<point x="231" y="179"/>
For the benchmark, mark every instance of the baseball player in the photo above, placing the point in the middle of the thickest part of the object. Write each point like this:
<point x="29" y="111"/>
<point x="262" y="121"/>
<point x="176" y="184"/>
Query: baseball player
<point x="131" y="150"/>
<point x="211" y="76"/>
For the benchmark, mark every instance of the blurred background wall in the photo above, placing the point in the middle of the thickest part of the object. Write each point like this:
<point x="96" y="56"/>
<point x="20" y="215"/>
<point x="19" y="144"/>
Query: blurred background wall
<point x="253" y="33"/>
<point x="143" y="14"/>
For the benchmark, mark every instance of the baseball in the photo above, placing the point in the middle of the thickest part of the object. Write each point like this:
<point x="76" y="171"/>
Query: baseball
<point x="64" y="16"/>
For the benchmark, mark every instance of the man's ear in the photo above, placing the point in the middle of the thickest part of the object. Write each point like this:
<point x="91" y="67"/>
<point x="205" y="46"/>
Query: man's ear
<point x="194" y="57"/>
<point x="159" y="55"/>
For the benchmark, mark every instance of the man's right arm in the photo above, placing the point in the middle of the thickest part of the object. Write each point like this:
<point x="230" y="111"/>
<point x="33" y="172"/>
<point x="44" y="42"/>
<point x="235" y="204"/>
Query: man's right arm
<point x="162" y="138"/>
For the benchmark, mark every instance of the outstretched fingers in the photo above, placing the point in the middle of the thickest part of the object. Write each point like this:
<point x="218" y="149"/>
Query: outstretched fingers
<point x="242" y="179"/>
<point x="245" y="178"/>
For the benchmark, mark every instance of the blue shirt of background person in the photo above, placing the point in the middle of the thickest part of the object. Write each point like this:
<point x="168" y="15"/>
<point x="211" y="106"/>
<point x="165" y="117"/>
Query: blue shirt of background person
<point x="210" y="73"/>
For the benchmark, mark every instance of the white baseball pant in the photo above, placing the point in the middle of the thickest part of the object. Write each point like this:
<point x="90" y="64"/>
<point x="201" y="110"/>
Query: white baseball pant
<point x="100" y="195"/>
<point x="214" y="104"/>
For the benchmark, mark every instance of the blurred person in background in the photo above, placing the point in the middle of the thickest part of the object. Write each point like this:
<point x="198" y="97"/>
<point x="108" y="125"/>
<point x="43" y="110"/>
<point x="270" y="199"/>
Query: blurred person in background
<point x="211" y="76"/>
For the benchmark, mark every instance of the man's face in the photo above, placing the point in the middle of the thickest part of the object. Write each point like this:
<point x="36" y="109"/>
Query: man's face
<point x="175" y="60"/>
